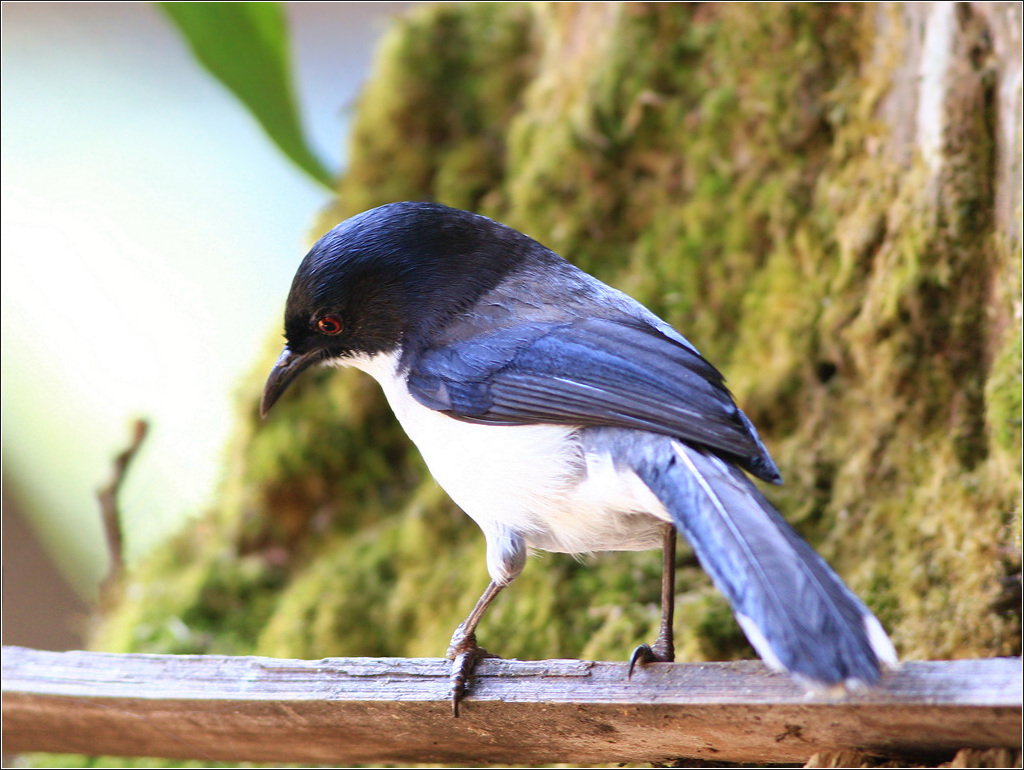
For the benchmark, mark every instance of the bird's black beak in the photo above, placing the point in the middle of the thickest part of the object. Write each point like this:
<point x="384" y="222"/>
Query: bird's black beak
<point x="288" y="366"/>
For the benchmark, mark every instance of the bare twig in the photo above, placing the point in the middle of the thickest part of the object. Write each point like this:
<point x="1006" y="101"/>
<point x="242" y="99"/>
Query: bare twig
<point x="107" y="497"/>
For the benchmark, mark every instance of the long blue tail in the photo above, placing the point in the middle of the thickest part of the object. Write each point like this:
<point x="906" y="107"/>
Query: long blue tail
<point x="794" y="609"/>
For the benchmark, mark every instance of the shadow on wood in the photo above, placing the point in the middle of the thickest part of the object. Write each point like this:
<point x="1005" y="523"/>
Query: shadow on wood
<point x="367" y="710"/>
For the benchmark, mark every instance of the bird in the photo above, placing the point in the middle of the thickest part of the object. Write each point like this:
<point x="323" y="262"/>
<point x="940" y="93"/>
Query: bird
<point x="562" y="415"/>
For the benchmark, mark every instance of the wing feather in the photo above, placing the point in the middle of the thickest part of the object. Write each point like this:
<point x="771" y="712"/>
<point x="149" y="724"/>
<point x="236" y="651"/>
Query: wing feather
<point x="598" y="371"/>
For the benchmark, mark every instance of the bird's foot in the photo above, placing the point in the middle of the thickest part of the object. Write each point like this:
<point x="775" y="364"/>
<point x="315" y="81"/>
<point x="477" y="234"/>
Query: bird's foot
<point x="464" y="653"/>
<point x="660" y="652"/>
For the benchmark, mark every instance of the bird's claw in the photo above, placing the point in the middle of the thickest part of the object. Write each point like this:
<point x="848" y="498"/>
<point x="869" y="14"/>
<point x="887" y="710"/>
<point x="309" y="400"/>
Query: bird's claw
<point x="645" y="654"/>
<point x="464" y="653"/>
<point x="462" y="667"/>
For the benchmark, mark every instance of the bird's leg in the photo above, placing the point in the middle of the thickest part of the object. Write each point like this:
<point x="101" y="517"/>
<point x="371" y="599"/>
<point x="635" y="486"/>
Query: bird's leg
<point x="463" y="650"/>
<point x="664" y="649"/>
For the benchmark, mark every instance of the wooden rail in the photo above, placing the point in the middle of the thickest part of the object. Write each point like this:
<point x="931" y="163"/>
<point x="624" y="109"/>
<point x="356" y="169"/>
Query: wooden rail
<point x="374" y="710"/>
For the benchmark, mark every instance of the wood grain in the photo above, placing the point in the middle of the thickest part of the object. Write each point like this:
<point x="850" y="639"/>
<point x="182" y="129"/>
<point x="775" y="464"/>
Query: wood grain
<point x="372" y="710"/>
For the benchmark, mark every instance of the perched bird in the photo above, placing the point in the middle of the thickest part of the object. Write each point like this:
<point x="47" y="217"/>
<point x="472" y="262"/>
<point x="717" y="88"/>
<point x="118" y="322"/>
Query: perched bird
<point x="562" y="415"/>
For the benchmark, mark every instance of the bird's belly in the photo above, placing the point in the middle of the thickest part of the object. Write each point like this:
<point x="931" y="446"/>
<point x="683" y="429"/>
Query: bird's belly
<point x="535" y="480"/>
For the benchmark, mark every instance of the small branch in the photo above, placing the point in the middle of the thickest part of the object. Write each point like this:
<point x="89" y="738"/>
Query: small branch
<point x="392" y="710"/>
<point x="107" y="497"/>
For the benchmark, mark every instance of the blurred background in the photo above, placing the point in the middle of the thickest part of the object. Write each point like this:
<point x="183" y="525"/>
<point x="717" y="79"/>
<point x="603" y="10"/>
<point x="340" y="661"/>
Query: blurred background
<point x="150" y="231"/>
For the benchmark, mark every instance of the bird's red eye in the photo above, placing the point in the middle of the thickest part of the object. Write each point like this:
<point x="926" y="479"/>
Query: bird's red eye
<point x="329" y="324"/>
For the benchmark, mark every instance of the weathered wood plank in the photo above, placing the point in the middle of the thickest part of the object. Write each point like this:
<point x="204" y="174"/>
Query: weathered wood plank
<point x="364" y="710"/>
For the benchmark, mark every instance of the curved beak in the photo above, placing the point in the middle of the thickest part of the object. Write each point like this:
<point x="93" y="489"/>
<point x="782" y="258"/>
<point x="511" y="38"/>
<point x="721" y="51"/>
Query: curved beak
<point x="288" y="366"/>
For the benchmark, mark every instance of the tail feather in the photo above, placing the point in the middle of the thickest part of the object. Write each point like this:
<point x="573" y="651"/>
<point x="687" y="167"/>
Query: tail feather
<point x="796" y="612"/>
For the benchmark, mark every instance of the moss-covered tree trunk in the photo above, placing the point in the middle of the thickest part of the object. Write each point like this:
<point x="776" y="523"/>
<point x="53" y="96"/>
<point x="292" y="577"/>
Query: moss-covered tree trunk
<point x="824" y="198"/>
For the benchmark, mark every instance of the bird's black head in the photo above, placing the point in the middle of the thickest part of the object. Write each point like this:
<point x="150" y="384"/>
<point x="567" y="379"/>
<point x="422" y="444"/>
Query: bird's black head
<point x="384" y="280"/>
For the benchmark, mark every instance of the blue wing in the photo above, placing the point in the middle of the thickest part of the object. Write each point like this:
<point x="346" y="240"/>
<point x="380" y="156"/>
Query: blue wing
<point x="610" y="372"/>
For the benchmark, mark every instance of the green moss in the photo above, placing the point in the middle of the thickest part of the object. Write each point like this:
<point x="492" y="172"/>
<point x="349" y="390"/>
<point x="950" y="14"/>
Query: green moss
<point x="719" y="162"/>
<point x="1003" y="388"/>
<point x="432" y="120"/>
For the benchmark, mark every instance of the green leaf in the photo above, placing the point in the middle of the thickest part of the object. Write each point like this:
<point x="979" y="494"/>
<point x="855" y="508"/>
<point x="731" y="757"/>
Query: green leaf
<point x="245" y="46"/>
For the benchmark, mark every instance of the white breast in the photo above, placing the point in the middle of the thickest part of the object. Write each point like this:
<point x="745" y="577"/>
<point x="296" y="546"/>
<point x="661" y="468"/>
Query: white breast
<point x="535" y="480"/>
